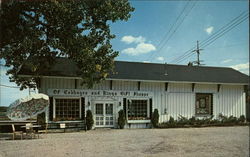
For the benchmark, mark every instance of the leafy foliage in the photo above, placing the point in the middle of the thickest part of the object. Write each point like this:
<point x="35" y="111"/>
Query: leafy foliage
<point x="89" y="120"/>
<point x="155" y="118"/>
<point x="36" y="32"/>
<point x="121" y="119"/>
<point x="207" y="121"/>
<point x="242" y="118"/>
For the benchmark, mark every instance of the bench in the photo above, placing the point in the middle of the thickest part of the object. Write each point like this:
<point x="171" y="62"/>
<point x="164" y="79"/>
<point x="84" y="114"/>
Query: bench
<point x="67" y="125"/>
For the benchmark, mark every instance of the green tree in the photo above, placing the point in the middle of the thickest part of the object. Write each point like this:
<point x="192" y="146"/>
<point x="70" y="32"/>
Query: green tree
<point x="89" y="120"/>
<point x="121" y="119"/>
<point x="155" y="118"/>
<point x="36" y="32"/>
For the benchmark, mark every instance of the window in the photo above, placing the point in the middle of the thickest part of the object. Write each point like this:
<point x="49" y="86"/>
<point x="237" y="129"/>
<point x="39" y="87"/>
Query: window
<point x="99" y="109"/>
<point x="109" y="109"/>
<point x="138" y="110"/>
<point x="67" y="109"/>
<point x="203" y="104"/>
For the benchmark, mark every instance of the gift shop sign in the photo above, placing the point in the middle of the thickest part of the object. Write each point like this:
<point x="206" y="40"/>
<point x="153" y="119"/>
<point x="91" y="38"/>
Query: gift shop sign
<point x="82" y="93"/>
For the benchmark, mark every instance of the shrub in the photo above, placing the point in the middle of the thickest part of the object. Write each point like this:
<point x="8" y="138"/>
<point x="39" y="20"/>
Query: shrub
<point x="121" y="119"/>
<point x="192" y="120"/>
<point x="242" y="118"/>
<point x="206" y="121"/>
<point x="171" y="120"/>
<point x="182" y="120"/>
<point x="155" y="118"/>
<point x="232" y="119"/>
<point x="222" y="118"/>
<point x="41" y="120"/>
<point x="89" y="120"/>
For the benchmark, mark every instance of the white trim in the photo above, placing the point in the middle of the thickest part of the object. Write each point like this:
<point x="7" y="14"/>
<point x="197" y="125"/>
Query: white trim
<point x="80" y="108"/>
<point x="54" y="108"/>
<point x="138" y="121"/>
<point x="104" y="115"/>
<point x="148" y="106"/>
<point x="60" y="97"/>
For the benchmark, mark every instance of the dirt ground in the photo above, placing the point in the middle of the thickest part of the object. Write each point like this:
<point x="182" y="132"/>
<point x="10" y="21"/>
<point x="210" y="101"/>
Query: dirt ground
<point x="187" y="142"/>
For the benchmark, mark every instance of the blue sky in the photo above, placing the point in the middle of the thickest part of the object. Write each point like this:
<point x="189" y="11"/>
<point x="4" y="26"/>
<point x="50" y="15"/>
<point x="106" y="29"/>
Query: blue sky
<point x="141" y="38"/>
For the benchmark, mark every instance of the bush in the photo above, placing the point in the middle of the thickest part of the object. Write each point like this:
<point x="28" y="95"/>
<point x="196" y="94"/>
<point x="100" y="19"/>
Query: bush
<point x="121" y="119"/>
<point x="206" y="121"/>
<point x="192" y="120"/>
<point x="222" y="118"/>
<point x="41" y="120"/>
<point x="89" y="120"/>
<point x="232" y="119"/>
<point x="155" y="118"/>
<point x="182" y="120"/>
<point x="171" y="120"/>
<point x="242" y="118"/>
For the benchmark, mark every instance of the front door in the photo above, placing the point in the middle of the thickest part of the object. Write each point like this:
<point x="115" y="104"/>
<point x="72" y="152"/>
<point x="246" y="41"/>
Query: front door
<point x="104" y="115"/>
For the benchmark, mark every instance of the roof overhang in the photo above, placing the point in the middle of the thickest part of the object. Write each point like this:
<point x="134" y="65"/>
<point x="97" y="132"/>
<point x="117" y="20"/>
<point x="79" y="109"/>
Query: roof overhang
<point x="137" y="80"/>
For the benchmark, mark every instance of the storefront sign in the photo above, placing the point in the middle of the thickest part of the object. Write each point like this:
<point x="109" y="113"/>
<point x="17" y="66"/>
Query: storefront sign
<point x="81" y="93"/>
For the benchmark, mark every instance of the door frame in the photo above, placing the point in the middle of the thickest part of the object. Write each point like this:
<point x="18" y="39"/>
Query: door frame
<point x="104" y="102"/>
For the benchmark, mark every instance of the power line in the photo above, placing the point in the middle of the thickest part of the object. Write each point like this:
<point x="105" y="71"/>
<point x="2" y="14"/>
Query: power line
<point x="171" y="31"/>
<point x="223" y="30"/>
<point x="9" y="86"/>
<point x="231" y="45"/>
<point x="172" y="26"/>
<point x="211" y="37"/>
<point x="176" y="28"/>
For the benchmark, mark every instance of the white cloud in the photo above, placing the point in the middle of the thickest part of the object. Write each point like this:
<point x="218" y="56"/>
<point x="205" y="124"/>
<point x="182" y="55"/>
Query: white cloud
<point x="141" y="48"/>
<point x="209" y="30"/>
<point x="227" y="61"/>
<point x="130" y="39"/>
<point x="241" y="67"/>
<point x="160" y="58"/>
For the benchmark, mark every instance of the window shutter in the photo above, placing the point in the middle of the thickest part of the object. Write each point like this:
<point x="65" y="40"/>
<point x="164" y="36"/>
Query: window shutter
<point x="124" y="106"/>
<point x="150" y="107"/>
<point x="83" y="107"/>
<point x="51" y="108"/>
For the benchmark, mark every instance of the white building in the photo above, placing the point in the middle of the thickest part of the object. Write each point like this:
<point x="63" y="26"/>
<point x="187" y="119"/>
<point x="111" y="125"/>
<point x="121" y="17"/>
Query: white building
<point x="139" y="88"/>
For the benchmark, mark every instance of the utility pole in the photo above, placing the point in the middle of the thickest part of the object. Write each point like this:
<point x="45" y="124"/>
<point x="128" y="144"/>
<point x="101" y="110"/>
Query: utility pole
<point x="198" y="62"/>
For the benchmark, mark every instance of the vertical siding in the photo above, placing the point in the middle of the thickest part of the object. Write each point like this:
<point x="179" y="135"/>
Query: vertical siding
<point x="125" y="85"/>
<point x="205" y="88"/>
<point x="230" y="101"/>
<point x="153" y="87"/>
<point x="103" y="85"/>
<point x="178" y="100"/>
<point x="180" y="87"/>
<point x="47" y="83"/>
<point x="180" y="104"/>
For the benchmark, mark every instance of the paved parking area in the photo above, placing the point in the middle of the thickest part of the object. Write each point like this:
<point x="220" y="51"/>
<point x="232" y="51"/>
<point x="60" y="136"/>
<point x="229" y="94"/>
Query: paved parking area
<point x="181" y="142"/>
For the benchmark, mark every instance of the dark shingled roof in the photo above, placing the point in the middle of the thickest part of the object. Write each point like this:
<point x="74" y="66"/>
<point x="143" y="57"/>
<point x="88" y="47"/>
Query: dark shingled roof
<point x="152" y="72"/>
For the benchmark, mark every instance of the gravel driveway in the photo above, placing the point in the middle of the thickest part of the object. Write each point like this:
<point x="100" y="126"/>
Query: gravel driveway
<point x="205" y="142"/>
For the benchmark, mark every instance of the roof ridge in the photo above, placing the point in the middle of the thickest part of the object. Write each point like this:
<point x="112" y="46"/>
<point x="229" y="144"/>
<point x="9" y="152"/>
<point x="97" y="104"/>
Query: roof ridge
<point x="173" y="64"/>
